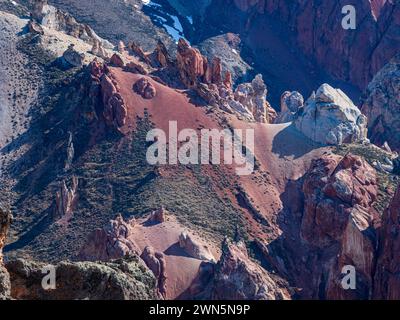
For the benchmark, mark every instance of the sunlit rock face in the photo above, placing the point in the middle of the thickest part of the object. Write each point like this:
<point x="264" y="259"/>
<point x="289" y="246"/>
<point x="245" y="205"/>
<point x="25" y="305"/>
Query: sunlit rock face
<point x="330" y="117"/>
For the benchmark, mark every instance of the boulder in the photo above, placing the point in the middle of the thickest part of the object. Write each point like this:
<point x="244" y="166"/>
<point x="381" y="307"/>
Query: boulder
<point x="291" y="105"/>
<point x="99" y="51"/>
<point x="116" y="61"/>
<point x="35" y="28"/>
<point x="331" y="118"/>
<point x="73" y="57"/>
<point x="145" y="88"/>
<point x="158" y="216"/>
<point x="135" y="68"/>
<point x="161" y="57"/>
<point x="195" y="249"/>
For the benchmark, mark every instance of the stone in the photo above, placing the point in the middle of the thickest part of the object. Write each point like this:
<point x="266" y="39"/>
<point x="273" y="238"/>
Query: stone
<point x="145" y="88"/>
<point x="53" y="18"/>
<point x="194" y="248"/>
<point x="135" y="68"/>
<point x="73" y="57"/>
<point x="117" y="61"/>
<point x="331" y="118"/>
<point x="291" y="105"/>
<point x="99" y="51"/>
<point x="138" y="51"/>
<point x="253" y="97"/>
<point x="35" y="28"/>
<point x="158" y="216"/>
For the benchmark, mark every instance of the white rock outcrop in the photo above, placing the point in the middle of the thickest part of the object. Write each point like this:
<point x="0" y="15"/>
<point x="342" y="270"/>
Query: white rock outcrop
<point x="330" y="117"/>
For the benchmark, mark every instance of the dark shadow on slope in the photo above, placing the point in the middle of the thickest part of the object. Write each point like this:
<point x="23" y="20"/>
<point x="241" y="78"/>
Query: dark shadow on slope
<point x="38" y="226"/>
<point x="291" y="142"/>
<point x="176" y="250"/>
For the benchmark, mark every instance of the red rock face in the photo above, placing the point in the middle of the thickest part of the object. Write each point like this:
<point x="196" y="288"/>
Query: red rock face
<point x="387" y="278"/>
<point x="237" y="277"/>
<point x="381" y="105"/>
<point x="350" y="55"/>
<point x="191" y="63"/>
<point x="339" y="219"/>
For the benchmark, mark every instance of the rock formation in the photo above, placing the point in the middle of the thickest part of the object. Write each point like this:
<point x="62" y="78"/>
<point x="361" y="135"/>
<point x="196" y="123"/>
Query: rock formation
<point x="158" y="216"/>
<point x="138" y="51"/>
<point x="116" y="61"/>
<point x="98" y="50"/>
<point x="382" y="106"/>
<point x="110" y="242"/>
<point x="291" y="105"/>
<point x="194" y="249"/>
<point x="5" y="285"/>
<point x="330" y="117"/>
<point x="35" y="28"/>
<point x="253" y="97"/>
<point x="66" y="198"/>
<point x="191" y="64"/>
<point x="161" y="56"/>
<point x="125" y="279"/>
<point x="155" y="261"/>
<point x="387" y="277"/>
<point x="237" y="277"/>
<point x="53" y="18"/>
<point x="115" y="112"/>
<point x="339" y="219"/>
<point x="73" y="57"/>
<point x="135" y="68"/>
<point x="145" y="88"/>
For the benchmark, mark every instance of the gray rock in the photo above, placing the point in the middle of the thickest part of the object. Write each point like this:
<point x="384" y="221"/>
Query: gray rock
<point x="74" y="58"/>
<point x="291" y="104"/>
<point x="330" y="117"/>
